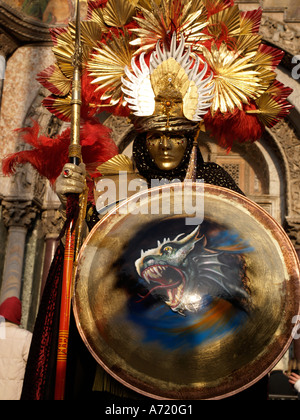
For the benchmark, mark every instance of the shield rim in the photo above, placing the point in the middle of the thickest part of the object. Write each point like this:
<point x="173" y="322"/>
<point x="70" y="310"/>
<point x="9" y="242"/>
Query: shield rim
<point x="287" y="338"/>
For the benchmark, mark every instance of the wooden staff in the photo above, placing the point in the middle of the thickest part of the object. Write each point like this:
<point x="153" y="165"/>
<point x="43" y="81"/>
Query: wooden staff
<point x="67" y="284"/>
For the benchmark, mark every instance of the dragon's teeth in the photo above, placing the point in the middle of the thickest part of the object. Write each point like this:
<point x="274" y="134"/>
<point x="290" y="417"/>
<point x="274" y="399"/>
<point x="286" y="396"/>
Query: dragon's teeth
<point x="146" y="276"/>
<point x="158" y="271"/>
<point x="153" y="272"/>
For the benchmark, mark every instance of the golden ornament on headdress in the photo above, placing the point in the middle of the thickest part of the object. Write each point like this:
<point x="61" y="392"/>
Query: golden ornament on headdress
<point x="173" y="82"/>
<point x="121" y="35"/>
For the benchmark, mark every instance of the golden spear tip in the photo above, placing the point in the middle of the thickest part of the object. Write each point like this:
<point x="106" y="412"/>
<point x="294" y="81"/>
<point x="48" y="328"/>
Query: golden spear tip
<point x="75" y="149"/>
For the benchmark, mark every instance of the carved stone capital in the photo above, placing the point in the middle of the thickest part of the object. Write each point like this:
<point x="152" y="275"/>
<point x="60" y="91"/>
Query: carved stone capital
<point x="52" y="222"/>
<point x="281" y="34"/>
<point x="7" y="44"/>
<point x="292" y="228"/>
<point x="26" y="185"/>
<point x="120" y="127"/>
<point x="287" y="137"/>
<point x="18" y="213"/>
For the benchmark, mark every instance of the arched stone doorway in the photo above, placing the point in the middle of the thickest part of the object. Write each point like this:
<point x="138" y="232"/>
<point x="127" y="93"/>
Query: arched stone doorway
<point x="256" y="170"/>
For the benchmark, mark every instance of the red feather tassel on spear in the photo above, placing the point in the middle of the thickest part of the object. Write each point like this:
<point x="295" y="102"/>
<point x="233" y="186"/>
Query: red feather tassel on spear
<point x="49" y="155"/>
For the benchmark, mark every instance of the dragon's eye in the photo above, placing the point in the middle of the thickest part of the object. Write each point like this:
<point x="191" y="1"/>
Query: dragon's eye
<point x="168" y="250"/>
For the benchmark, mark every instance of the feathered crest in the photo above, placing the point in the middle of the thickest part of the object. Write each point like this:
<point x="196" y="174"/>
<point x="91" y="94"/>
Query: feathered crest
<point x="172" y="81"/>
<point x="211" y="34"/>
<point x="206" y="47"/>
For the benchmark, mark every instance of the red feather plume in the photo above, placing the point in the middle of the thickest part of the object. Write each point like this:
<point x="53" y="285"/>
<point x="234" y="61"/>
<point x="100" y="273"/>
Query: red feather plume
<point x="48" y="156"/>
<point x="234" y="127"/>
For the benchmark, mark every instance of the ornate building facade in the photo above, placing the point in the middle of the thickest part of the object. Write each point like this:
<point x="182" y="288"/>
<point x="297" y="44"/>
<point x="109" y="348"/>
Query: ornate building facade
<point x="267" y="171"/>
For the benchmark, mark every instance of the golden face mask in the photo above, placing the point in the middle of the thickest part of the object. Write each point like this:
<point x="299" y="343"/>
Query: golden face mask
<point x="166" y="150"/>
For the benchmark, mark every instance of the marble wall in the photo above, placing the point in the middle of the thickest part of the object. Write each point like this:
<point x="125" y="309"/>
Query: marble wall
<point x="26" y="198"/>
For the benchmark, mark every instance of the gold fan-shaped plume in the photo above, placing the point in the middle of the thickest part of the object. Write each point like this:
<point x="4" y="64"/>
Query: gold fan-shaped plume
<point x="250" y="22"/>
<point x="65" y="45"/>
<point x="242" y="70"/>
<point x="269" y="109"/>
<point x="61" y="75"/>
<point x="247" y="44"/>
<point x="64" y="51"/>
<point x="90" y="35"/>
<point x="188" y="17"/>
<point x="230" y="18"/>
<point x="107" y="65"/>
<point x="118" y="12"/>
<point x="54" y="80"/>
<point x="119" y="163"/>
<point x="236" y="78"/>
<point x="115" y="14"/>
<point x="60" y="106"/>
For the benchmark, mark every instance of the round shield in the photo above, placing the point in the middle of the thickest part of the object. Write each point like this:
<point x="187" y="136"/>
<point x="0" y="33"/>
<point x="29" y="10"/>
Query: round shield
<point x="187" y="291"/>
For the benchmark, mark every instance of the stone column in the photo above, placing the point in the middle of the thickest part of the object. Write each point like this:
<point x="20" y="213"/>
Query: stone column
<point x="7" y="46"/>
<point x="17" y="216"/>
<point x="52" y="224"/>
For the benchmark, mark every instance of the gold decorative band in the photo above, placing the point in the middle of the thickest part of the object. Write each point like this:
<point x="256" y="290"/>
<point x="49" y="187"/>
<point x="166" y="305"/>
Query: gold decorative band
<point x="75" y="150"/>
<point x="62" y="350"/>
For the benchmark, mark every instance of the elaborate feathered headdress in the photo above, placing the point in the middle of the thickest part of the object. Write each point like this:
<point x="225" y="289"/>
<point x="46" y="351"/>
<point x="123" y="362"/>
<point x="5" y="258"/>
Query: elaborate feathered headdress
<point x="170" y="64"/>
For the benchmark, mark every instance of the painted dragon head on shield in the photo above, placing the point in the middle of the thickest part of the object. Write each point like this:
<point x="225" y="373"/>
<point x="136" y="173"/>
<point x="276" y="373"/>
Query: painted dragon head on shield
<point x="187" y="274"/>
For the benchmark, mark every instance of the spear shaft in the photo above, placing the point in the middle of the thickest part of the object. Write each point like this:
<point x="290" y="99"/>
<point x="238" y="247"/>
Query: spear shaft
<point x="67" y="282"/>
<point x="75" y="148"/>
